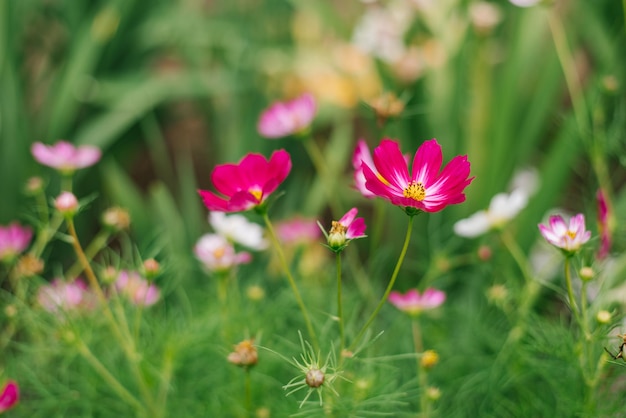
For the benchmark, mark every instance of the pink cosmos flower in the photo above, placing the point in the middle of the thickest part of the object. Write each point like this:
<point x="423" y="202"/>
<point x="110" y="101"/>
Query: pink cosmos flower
<point x="248" y="184"/>
<point x="287" y="118"/>
<point x="65" y="157"/>
<point x="14" y="239"/>
<point x="568" y="238"/>
<point x="298" y="230"/>
<point x="603" y="225"/>
<point x="10" y="396"/>
<point x="413" y="303"/>
<point x="137" y="289"/>
<point x="64" y="296"/>
<point x="345" y="230"/>
<point x="362" y="156"/>
<point x="217" y="254"/>
<point x="425" y="188"/>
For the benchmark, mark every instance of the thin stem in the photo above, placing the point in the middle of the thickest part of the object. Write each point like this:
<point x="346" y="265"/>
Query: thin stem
<point x="109" y="378"/>
<point x="517" y="254"/>
<point x="339" y="303"/>
<point x="570" y="289"/>
<point x="97" y="244"/>
<point x="396" y="270"/>
<point x="248" y="392"/>
<point x="66" y="183"/>
<point x="421" y="371"/>
<point x="290" y="279"/>
<point x="45" y="235"/>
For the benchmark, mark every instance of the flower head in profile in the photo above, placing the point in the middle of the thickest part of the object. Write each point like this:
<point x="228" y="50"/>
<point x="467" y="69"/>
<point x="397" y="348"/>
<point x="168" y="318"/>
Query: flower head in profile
<point x="238" y="229"/>
<point x="344" y="230"/>
<point x="502" y="208"/>
<point x="414" y="303"/>
<point x="62" y="296"/>
<point x="568" y="238"/>
<point x="65" y="157"/>
<point x="287" y="118"/>
<point x="136" y="289"/>
<point x="245" y="354"/>
<point x="425" y="188"/>
<point x="248" y="184"/>
<point x="217" y="254"/>
<point x="9" y="396"/>
<point x="14" y="239"/>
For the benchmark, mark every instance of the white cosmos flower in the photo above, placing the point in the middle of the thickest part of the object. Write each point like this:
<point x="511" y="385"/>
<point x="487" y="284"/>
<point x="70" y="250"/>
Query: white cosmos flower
<point x="237" y="228"/>
<point x="502" y="208"/>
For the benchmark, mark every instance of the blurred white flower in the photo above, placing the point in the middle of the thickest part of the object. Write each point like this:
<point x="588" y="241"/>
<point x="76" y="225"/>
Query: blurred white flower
<point x="217" y="253"/>
<point x="502" y="208"/>
<point x="526" y="180"/>
<point x="237" y="228"/>
<point x="524" y="3"/>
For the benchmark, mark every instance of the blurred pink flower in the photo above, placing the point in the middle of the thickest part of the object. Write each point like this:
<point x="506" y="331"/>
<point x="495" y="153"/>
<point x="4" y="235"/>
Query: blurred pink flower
<point x="248" y="184"/>
<point x="64" y="156"/>
<point x="64" y="296"/>
<point x="217" y="253"/>
<point x="603" y="225"/>
<point x="413" y="303"/>
<point x="14" y="239"/>
<point x="287" y="118"/>
<point x="425" y="188"/>
<point x="345" y="230"/>
<point x="298" y="230"/>
<point x="568" y="238"/>
<point x="137" y="289"/>
<point x="10" y="396"/>
<point x="66" y="203"/>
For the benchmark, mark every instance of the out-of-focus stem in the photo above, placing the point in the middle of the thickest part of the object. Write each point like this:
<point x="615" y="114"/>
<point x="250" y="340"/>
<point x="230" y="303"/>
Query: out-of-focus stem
<point x="339" y="303"/>
<point x="97" y="244"/>
<point x="290" y="279"/>
<point x="396" y="270"/>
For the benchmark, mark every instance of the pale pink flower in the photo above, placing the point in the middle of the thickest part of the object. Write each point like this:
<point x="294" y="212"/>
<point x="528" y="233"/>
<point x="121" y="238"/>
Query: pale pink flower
<point x="413" y="303"/>
<point x="298" y="230"/>
<point x="246" y="185"/>
<point x="64" y="296"/>
<point x="425" y="188"/>
<point x="66" y="203"/>
<point x="346" y="229"/>
<point x="10" y="396"/>
<point x="287" y="118"/>
<point x="137" y="289"/>
<point x="66" y="157"/>
<point x="14" y="239"/>
<point x="570" y="237"/>
<point x="217" y="254"/>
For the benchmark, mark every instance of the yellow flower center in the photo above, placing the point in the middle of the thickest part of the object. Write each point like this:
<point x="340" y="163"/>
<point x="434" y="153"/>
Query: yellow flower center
<point x="337" y="228"/>
<point x="256" y="193"/>
<point x="415" y="191"/>
<point x="219" y="253"/>
<point x="571" y="234"/>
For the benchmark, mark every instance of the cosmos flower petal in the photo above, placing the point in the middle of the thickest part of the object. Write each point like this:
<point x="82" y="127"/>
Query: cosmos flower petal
<point x="427" y="162"/>
<point x="356" y="229"/>
<point x="391" y="165"/>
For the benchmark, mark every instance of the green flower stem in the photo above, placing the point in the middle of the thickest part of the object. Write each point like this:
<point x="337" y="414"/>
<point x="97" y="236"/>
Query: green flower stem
<point x="66" y="183"/>
<point x="96" y="245"/>
<point x="42" y="206"/>
<point x="396" y="270"/>
<point x="342" y="336"/>
<point x="570" y="291"/>
<point x="109" y="378"/>
<point x="126" y="342"/>
<point x="248" y="392"/>
<point x="45" y="235"/>
<point x="517" y="254"/>
<point x="292" y="282"/>
<point x="319" y="162"/>
<point x="422" y="375"/>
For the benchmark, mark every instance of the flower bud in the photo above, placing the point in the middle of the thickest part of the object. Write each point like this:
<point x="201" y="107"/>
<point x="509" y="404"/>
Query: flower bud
<point x="603" y="317"/>
<point x="116" y="218"/>
<point x="255" y="293"/>
<point x="314" y="378"/>
<point x="67" y="204"/>
<point x="429" y="359"/>
<point x="433" y="393"/>
<point x="28" y="266"/>
<point x="151" y="268"/>
<point x="484" y="252"/>
<point x="586" y="274"/>
<point x="245" y="354"/>
<point x="34" y="186"/>
<point x="109" y="275"/>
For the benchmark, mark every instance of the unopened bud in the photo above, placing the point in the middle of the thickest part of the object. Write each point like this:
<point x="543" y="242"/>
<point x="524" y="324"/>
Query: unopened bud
<point x="28" y="266"/>
<point x="603" y="317"/>
<point x="151" y="268"/>
<point x="497" y="294"/>
<point x="586" y="274"/>
<point x="429" y="359"/>
<point x="245" y="354"/>
<point x="116" y="218"/>
<point x="314" y="378"/>
<point x="255" y="293"/>
<point x="34" y="185"/>
<point x="433" y="393"/>
<point x="109" y="275"/>
<point x="67" y="204"/>
<point x="484" y="253"/>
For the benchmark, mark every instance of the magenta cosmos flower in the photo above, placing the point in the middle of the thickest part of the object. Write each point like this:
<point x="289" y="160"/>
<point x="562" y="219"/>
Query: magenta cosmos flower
<point x="287" y="118"/>
<point x="570" y="237"/>
<point x="413" y="303"/>
<point x="10" y="396"/>
<point x="344" y="230"/>
<point x="248" y="184"/>
<point x="65" y="157"/>
<point x="425" y="188"/>
<point x="14" y="239"/>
